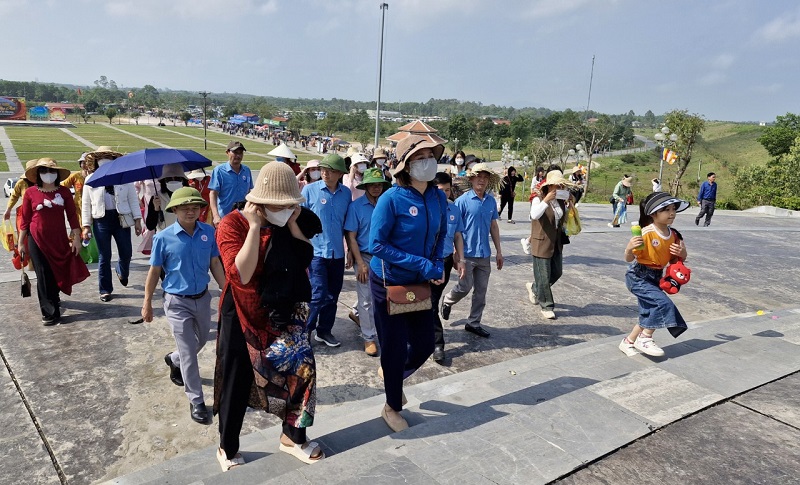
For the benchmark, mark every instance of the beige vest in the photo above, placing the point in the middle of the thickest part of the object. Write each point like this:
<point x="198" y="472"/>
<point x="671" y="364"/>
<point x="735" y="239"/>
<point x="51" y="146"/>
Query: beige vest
<point x="545" y="235"/>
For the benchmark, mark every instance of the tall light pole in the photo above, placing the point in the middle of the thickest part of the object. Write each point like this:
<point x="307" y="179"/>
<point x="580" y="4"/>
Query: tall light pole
<point x="518" y="140"/>
<point x="455" y="140"/>
<point x="490" y="149"/>
<point x="204" y="94"/>
<point x="383" y="7"/>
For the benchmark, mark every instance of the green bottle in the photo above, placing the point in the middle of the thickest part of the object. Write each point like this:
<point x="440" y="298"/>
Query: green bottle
<point x="636" y="230"/>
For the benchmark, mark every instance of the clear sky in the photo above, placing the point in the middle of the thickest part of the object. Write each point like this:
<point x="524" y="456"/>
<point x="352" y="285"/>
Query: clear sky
<point x="731" y="60"/>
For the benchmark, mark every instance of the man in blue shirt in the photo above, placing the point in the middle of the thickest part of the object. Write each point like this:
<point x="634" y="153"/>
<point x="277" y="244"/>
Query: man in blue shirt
<point x="479" y="212"/>
<point x="185" y="251"/>
<point x="356" y="227"/>
<point x="329" y="200"/>
<point x="707" y="198"/>
<point x="230" y="182"/>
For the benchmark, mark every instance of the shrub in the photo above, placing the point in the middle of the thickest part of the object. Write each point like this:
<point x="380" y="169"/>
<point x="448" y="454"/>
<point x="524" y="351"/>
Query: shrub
<point x="728" y="205"/>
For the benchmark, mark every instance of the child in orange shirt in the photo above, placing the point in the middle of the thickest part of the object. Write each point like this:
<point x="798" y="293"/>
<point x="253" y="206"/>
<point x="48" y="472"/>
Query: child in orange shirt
<point x="648" y="255"/>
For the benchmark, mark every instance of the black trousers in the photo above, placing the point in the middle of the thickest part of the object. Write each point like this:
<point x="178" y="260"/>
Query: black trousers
<point x="46" y="285"/>
<point x="510" y="202"/>
<point x="436" y="295"/>
<point x="237" y="379"/>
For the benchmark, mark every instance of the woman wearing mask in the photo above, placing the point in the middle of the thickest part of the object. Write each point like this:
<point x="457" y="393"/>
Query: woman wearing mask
<point x="409" y="227"/>
<point x="380" y="159"/>
<point x="548" y="210"/>
<point x="508" y="192"/>
<point x="109" y="212"/>
<point x="309" y="174"/>
<point x="458" y="163"/>
<point x="351" y="180"/>
<point x="264" y="358"/>
<point x="55" y="259"/>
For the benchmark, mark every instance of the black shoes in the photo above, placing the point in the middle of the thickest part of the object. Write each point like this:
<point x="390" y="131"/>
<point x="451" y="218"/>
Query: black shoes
<point x="327" y="338"/>
<point x="50" y="321"/>
<point x="697" y="222"/>
<point x="105" y="297"/>
<point x="123" y="281"/>
<point x="446" y="311"/>
<point x="199" y="413"/>
<point x="479" y="331"/>
<point x="174" y="371"/>
<point x="438" y="354"/>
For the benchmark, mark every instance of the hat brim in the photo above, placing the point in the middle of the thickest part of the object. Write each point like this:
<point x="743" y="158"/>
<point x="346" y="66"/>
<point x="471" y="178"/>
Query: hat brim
<point x="93" y="157"/>
<point x="438" y="151"/>
<point x="290" y="201"/>
<point x="364" y="183"/>
<point x="682" y="205"/>
<point x="30" y="174"/>
<point x="185" y="201"/>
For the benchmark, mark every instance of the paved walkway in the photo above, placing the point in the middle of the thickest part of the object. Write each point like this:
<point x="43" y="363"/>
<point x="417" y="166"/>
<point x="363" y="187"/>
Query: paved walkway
<point x="14" y="163"/>
<point x="91" y="398"/>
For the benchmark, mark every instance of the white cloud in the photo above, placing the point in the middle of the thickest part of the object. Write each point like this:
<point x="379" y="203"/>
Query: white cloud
<point x="723" y="61"/>
<point x="554" y="8"/>
<point x="712" y="78"/>
<point x="783" y="28"/>
<point x="192" y="9"/>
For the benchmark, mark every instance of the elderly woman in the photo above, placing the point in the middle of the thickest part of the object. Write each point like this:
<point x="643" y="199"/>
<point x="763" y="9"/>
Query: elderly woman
<point x="409" y="227"/>
<point x="264" y="358"/>
<point x="619" y="201"/>
<point x="55" y="259"/>
<point x="109" y="212"/>
<point x="548" y="211"/>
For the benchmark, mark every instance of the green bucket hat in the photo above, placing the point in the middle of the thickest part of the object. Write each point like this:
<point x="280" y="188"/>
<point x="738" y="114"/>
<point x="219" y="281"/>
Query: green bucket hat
<point x="333" y="162"/>
<point x="373" y="176"/>
<point x="185" y="196"/>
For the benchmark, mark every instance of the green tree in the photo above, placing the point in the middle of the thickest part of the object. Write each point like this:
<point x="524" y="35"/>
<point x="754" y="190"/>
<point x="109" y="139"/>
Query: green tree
<point x="688" y="128"/>
<point x="185" y="116"/>
<point x="110" y="114"/>
<point x="91" y="106"/>
<point x="650" y="119"/>
<point x="777" y="183"/>
<point x="458" y="128"/>
<point x="778" y="139"/>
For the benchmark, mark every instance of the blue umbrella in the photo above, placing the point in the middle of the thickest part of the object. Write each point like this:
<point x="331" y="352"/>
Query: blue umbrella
<point x="145" y="164"/>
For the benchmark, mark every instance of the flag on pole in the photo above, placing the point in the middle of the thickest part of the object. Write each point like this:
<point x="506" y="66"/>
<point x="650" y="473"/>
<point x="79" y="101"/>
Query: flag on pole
<point x="669" y="156"/>
<point x="80" y="93"/>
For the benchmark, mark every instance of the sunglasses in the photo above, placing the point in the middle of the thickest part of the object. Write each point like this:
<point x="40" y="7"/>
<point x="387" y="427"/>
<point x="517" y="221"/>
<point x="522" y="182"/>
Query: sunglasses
<point x="48" y="170"/>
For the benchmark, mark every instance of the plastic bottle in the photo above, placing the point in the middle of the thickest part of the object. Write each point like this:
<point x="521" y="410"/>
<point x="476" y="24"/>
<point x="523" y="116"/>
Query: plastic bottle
<point x="636" y="230"/>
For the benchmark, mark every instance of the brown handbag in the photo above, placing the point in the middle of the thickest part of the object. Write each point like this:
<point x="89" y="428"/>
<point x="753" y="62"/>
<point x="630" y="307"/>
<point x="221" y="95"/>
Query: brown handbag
<point x="408" y="298"/>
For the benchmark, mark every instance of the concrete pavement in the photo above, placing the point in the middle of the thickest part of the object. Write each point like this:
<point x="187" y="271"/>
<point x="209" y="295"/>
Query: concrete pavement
<point x="104" y="407"/>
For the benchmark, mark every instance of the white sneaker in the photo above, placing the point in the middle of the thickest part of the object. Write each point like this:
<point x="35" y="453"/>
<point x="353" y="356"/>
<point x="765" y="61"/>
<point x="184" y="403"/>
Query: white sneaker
<point x="646" y="345"/>
<point x="627" y="348"/>
<point x="526" y="245"/>
<point x="531" y="293"/>
<point x="549" y="314"/>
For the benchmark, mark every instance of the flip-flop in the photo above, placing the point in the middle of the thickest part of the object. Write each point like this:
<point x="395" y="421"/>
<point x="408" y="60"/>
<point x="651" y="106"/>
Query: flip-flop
<point x="227" y="464"/>
<point x="304" y="454"/>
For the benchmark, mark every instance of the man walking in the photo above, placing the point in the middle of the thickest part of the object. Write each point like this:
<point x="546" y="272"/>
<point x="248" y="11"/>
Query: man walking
<point x="329" y="200"/>
<point x="707" y="198"/>
<point x="479" y="213"/>
<point x="186" y="251"/>
<point x="230" y="182"/>
<point x="356" y="226"/>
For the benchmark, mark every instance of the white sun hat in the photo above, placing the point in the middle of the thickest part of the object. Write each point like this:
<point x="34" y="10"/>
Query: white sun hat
<point x="282" y="151"/>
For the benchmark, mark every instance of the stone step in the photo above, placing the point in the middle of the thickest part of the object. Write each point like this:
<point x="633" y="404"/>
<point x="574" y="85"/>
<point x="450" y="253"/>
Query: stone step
<point x="530" y="419"/>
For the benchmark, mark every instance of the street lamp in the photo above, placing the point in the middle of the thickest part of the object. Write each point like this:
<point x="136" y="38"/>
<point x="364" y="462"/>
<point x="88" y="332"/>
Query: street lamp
<point x="204" y="94"/>
<point x="455" y="140"/>
<point x="383" y="7"/>
<point x="525" y="162"/>
<point x="490" y="150"/>
<point x="664" y="138"/>
<point x="518" y="140"/>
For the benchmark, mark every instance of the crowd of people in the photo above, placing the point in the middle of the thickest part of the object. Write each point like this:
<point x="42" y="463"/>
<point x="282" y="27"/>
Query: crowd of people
<point x="278" y="244"/>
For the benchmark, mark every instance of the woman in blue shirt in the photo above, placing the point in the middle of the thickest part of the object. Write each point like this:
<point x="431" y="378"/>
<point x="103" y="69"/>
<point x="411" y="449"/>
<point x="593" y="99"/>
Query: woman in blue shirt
<point x="409" y="226"/>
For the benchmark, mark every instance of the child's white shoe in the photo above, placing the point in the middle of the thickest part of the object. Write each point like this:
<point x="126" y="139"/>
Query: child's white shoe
<point x="627" y="347"/>
<point x="526" y="245"/>
<point x="646" y="345"/>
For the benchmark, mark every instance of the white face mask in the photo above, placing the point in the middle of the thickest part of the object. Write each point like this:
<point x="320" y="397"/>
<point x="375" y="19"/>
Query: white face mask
<point x="174" y="185"/>
<point x="423" y="170"/>
<point x="48" y="178"/>
<point x="380" y="162"/>
<point x="279" y="218"/>
<point x="361" y="167"/>
<point x="562" y="194"/>
<point x="315" y="175"/>
<point x="459" y="161"/>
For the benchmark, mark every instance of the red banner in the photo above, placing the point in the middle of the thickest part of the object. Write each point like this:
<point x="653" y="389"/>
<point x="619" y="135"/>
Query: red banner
<point x="12" y="108"/>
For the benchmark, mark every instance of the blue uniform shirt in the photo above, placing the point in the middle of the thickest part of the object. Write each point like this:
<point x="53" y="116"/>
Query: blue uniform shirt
<point x="407" y="235"/>
<point x="454" y="224"/>
<point x="359" y="215"/>
<point x="185" y="259"/>
<point x="708" y="191"/>
<point x="231" y="187"/>
<point x="478" y="216"/>
<point x="331" y="208"/>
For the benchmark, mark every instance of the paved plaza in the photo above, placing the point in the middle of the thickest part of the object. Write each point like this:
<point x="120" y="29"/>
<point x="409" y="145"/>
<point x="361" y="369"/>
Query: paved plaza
<point x="90" y="399"/>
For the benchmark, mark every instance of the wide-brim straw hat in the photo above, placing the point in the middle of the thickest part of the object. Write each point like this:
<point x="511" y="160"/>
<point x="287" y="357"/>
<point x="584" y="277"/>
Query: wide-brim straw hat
<point x="373" y="176"/>
<point x="627" y="181"/>
<point x="28" y="164"/>
<point x="276" y="184"/>
<point x="410" y="145"/>
<point x="555" y="177"/>
<point x="185" y="196"/>
<point x="282" y="151"/>
<point x="102" y="152"/>
<point x="495" y="181"/>
<point x="333" y="162"/>
<point x="379" y="153"/>
<point x="30" y="173"/>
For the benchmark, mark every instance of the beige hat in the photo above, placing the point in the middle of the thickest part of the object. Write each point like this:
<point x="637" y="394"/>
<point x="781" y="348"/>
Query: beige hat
<point x="410" y="145"/>
<point x="28" y="164"/>
<point x="197" y="174"/>
<point x="495" y="182"/>
<point x="627" y="181"/>
<point x="555" y="177"/>
<point x="357" y="158"/>
<point x="172" y="170"/>
<point x="30" y="173"/>
<point x="102" y="152"/>
<point x="379" y="153"/>
<point x="275" y="184"/>
<point x="282" y="151"/>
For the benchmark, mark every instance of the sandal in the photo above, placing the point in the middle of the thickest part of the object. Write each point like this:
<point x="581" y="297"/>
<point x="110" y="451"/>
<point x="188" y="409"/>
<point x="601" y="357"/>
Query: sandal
<point x="304" y="454"/>
<point x="227" y="464"/>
